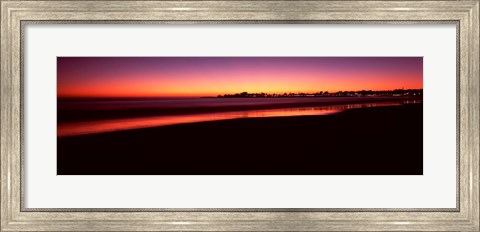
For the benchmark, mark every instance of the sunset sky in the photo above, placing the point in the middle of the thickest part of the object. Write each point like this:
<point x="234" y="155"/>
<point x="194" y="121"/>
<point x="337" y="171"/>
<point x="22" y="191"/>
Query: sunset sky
<point x="211" y="76"/>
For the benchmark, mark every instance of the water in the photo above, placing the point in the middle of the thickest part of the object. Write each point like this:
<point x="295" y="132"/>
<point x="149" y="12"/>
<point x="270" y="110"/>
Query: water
<point x="107" y="125"/>
<point x="115" y="104"/>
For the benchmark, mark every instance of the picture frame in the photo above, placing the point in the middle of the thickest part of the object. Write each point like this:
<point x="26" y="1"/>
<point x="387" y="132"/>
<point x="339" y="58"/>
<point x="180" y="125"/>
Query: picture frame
<point x="15" y="217"/>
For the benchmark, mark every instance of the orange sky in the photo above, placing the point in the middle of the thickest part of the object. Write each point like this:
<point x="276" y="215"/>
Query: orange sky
<point x="210" y="76"/>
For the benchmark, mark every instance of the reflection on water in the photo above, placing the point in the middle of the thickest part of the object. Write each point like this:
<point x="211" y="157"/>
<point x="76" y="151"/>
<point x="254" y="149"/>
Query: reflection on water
<point x="81" y="128"/>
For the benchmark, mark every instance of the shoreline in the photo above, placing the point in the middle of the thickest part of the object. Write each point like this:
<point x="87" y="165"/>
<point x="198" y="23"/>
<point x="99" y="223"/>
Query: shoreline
<point x="108" y="125"/>
<point x="73" y="115"/>
<point x="366" y="141"/>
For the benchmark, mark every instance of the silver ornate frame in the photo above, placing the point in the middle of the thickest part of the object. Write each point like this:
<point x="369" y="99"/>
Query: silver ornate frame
<point x="16" y="14"/>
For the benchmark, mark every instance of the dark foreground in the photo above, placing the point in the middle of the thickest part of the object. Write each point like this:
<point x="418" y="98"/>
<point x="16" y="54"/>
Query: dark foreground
<point x="367" y="141"/>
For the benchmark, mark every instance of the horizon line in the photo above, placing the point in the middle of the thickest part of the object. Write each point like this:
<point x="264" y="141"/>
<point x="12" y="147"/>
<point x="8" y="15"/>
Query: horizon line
<point x="222" y="94"/>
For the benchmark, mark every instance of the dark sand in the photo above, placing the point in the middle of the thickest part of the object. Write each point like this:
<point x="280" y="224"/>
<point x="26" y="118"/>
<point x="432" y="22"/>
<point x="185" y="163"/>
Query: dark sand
<point x="367" y="141"/>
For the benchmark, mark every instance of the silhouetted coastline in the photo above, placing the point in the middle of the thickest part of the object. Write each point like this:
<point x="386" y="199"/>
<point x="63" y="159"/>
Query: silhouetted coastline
<point x="368" y="141"/>
<point x="360" y="93"/>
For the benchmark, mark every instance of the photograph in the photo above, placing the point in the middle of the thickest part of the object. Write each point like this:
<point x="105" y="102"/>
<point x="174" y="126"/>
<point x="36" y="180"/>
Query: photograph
<point x="239" y="115"/>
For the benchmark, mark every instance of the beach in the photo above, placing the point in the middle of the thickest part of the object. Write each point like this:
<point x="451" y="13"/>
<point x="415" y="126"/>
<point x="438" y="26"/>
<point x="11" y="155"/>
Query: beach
<point x="384" y="140"/>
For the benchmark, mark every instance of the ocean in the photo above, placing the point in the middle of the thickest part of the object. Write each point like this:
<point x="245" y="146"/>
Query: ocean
<point x="92" y="116"/>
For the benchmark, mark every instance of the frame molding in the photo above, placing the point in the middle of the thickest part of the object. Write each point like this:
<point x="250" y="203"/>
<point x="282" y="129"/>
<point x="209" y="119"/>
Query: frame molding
<point x="14" y="217"/>
<point x="70" y="22"/>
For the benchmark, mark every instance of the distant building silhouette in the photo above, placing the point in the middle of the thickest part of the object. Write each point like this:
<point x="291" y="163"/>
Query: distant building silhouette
<point x="362" y="93"/>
